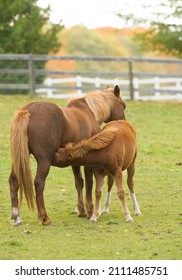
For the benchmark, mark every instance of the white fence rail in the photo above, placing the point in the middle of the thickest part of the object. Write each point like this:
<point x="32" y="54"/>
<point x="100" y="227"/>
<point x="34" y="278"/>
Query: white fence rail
<point x="156" y="88"/>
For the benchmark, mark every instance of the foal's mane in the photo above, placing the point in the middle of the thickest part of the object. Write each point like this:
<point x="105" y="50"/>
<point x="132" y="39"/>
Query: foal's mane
<point x="97" y="142"/>
<point x="101" y="103"/>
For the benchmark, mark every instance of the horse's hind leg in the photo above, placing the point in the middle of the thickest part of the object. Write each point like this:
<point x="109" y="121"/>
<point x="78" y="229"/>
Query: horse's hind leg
<point x="110" y="183"/>
<point x="121" y="195"/>
<point x="79" y="188"/>
<point x="130" y="182"/>
<point x="42" y="172"/>
<point x="13" y="183"/>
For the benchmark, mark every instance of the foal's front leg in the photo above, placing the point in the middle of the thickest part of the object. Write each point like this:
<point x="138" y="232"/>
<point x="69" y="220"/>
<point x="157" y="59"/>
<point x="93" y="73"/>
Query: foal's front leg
<point x="130" y="182"/>
<point x="98" y="193"/>
<point x="13" y="183"/>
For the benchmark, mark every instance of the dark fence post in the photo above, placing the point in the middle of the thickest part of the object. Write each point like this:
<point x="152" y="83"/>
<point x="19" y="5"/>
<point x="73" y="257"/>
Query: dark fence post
<point x="31" y="76"/>
<point x="130" y="77"/>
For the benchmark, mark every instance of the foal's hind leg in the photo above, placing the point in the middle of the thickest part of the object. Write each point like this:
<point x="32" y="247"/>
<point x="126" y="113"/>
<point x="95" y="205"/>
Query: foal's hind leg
<point x="79" y="188"/>
<point x="13" y="183"/>
<point x="110" y="183"/>
<point x="98" y="193"/>
<point x="121" y="195"/>
<point x="130" y="182"/>
<point x="42" y="172"/>
<point x="88" y="186"/>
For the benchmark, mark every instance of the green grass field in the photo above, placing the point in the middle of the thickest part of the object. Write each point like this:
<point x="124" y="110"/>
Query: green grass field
<point x="158" y="184"/>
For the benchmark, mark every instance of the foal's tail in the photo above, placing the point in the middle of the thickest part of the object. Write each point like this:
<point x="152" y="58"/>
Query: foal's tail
<point x="21" y="156"/>
<point x="79" y="150"/>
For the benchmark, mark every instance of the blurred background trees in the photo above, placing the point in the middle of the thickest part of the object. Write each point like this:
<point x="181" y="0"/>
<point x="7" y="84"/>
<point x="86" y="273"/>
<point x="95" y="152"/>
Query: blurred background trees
<point x="152" y="29"/>
<point x="162" y="21"/>
<point x="25" y="28"/>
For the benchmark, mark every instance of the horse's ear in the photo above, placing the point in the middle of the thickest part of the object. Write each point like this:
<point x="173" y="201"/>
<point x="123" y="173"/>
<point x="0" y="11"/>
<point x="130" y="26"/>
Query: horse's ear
<point x="107" y="87"/>
<point x="117" y="91"/>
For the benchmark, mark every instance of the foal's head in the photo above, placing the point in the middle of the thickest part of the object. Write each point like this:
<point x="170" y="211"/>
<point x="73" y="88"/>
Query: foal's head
<point x="63" y="155"/>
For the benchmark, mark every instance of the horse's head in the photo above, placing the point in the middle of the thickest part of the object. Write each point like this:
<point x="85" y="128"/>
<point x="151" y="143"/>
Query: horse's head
<point x="117" y="113"/>
<point x="106" y="105"/>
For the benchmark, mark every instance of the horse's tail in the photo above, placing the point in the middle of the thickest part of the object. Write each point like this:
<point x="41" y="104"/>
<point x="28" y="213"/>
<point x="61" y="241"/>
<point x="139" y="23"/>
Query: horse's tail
<point x="79" y="150"/>
<point x="21" y="156"/>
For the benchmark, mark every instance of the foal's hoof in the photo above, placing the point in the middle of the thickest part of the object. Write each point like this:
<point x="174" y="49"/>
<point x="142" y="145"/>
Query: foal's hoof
<point x="105" y="212"/>
<point x="130" y="220"/>
<point x="93" y="220"/>
<point x="138" y="213"/>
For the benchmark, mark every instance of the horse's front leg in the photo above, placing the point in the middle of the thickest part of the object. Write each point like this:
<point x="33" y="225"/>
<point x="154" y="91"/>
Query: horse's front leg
<point x="88" y="187"/>
<point x="42" y="172"/>
<point x="13" y="183"/>
<point x="79" y="187"/>
<point x="98" y="193"/>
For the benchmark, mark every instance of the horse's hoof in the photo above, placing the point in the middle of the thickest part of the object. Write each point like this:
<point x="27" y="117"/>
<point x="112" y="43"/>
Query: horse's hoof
<point x="47" y="223"/>
<point x="82" y="215"/>
<point x="17" y="222"/>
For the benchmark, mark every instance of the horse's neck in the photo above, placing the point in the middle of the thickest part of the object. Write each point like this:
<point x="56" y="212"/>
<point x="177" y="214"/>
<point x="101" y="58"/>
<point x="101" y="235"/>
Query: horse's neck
<point x="100" y="107"/>
<point x="79" y="103"/>
<point x="77" y="116"/>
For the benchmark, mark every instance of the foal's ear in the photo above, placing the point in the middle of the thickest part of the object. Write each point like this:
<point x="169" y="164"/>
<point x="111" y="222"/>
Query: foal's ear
<point x="107" y="87"/>
<point x="117" y="91"/>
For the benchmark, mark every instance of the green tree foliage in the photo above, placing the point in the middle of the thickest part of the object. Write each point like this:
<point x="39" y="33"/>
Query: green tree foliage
<point x="24" y="29"/>
<point x="164" y="26"/>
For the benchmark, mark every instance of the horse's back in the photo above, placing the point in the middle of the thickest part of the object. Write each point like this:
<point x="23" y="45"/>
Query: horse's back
<point x="45" y="128"/>
<point x="51" y="126"/>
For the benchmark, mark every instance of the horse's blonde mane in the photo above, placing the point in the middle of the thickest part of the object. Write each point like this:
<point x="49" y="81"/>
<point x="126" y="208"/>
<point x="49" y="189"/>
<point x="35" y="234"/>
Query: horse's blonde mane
<point x="101" y="103"/>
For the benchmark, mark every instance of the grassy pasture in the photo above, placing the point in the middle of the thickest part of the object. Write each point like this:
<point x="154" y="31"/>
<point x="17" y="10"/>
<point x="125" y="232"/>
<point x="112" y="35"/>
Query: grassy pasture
<point x="158" y="180"/>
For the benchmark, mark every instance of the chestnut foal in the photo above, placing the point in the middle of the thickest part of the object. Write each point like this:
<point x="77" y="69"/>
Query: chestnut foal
<point x="109" y="152"/>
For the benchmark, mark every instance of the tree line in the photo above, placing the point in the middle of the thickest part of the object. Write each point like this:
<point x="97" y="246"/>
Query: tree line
<point x="26" y="28"/>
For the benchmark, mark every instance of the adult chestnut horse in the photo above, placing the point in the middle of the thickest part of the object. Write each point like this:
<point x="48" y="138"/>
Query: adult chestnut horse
<point x="109" y="152"/>
<point x="40" y="128"/>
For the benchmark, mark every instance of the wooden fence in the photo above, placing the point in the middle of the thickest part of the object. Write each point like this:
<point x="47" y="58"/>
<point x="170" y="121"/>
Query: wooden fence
<point x="134" y="84"/>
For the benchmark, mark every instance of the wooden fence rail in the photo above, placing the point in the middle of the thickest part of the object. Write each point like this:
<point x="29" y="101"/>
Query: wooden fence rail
<point x="160" y="88"/>
<point x="135" y="85"/>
